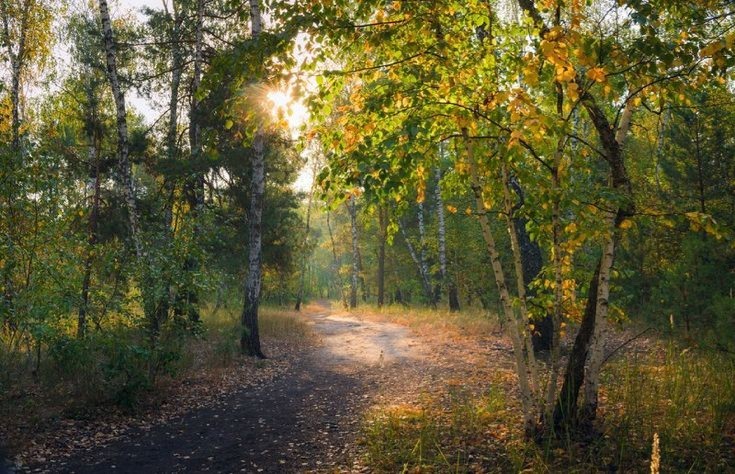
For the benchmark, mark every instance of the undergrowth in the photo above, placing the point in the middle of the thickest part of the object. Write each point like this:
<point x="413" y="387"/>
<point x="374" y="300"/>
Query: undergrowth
<point x="687" y="397"/>
<point x="115" y="366"/>
<point x="468" y="322"/>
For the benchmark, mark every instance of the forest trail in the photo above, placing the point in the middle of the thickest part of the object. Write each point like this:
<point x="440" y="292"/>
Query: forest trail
<point x="305" y="420"/>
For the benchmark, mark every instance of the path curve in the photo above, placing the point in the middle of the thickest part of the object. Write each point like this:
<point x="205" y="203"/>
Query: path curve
<point x="305" y="420"/>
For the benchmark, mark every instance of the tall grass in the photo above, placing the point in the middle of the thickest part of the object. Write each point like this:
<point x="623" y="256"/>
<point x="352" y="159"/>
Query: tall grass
<point x="222" y="330"/>
<point x="473" y="322"/>
<point x="687" y="397"/>
<point x="459" y="433"/>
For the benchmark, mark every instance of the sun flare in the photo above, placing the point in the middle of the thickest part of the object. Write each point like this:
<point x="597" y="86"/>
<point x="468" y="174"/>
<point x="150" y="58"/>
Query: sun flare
<point x="286" y="108"/>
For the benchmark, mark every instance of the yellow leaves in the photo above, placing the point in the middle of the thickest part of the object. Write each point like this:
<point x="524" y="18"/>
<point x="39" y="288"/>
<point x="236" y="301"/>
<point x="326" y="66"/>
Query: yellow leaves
<point x="565" y="73"/>
<point x="530" y="70"/>
<point x="468" y="211"/>
<point x="573" y="91"/>
<point x="571" y="228"/>
<point x="597" y="74"/>
<point x="451" y="209"/>
<point x="626" y="224"/>
<point x="515" y="137"/>
<point x="712" y="49"/>
<point x="421" y="186"/>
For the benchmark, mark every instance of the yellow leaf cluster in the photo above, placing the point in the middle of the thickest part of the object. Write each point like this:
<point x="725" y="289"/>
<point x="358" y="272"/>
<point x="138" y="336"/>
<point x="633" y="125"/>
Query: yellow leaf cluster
<point x="597" y="74"/>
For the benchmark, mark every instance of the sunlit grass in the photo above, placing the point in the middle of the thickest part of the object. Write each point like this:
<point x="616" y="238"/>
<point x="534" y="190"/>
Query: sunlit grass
<point x="468" y="322"/>
<point x="457" y="433"/>
<point x="687" y="397"/>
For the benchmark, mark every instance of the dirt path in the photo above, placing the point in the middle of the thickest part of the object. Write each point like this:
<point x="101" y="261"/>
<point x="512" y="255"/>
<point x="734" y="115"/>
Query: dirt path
<point x="305" y="420"/>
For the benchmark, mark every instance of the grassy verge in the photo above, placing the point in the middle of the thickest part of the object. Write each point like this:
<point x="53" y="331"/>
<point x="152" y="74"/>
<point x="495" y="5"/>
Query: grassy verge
<point x="472" y="322"/>
<point x="109" y="371"/>
<point x="686" y="397"/>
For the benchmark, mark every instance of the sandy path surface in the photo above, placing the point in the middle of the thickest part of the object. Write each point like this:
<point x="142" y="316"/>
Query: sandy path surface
<point x="307" y="419"/>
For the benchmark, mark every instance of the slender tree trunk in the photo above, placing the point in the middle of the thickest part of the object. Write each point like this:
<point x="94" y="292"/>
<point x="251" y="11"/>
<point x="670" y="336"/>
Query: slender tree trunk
<point x="300" y="294"/>
<point x="126" y="177"/>
<point x="16" y="51"/>
<point x="382" y="236"/>
<point x="425" y="283"/>
<point x="514" y="323"/>
<point x="164" y="303"/>
<point x="445" y="280"/>
<point x="94" y="184"/>
<point x="352" y="208"/>
<point x="599" y="335"/>
<point x="187" y="299"/>
<point x="250" y="340"/>
<point x="424" y="264"/>
<point x="335" y="264"/>
<point x="520" y="281"/>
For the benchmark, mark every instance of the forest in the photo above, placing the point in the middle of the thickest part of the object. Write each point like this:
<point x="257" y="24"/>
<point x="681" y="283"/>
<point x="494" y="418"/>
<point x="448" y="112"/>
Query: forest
<point x="374" y="236"/>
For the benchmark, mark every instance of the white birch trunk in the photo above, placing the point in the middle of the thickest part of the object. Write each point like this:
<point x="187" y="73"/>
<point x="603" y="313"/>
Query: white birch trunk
<point x="528" y="398"/>
<point x="515" y="245"/>
<point x="250" y="341"/>
<point x="596" y="355"/>
<point x="126" y="177"/>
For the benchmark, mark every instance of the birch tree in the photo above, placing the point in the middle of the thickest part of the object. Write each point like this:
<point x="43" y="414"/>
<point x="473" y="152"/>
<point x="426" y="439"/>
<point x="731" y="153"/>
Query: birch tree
<point x="250" y="340"/>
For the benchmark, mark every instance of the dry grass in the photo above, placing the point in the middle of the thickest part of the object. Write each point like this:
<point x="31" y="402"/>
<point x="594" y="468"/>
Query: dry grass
<point x="686" y="397"/>
<point x="470" y="322"/>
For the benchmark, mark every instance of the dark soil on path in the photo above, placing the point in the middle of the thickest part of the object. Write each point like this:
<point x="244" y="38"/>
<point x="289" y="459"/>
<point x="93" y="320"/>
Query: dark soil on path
<point x="307" y="419"/>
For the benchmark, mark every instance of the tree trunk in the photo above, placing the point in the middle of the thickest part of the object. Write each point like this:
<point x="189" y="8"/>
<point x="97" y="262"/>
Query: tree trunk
<point x="250" y="340"/>
<point x="565" y="411"/>
<point x="382" y="236"/>
<point x="520" y="279"/>
<point x="423" y="274"/>
<point x="16" y="51"/>
<point x="335" y="264"/>
<point x="94" y="184"/>
<point x="162" y="308"/>
<point x="445" y="280"/>
<point x="352" y="208"/>
<point x="188" y="299"/>
<point x="514" y="323"/>
<point x="422" y="254"/>
<point x="126" y="177"/>
<point x="300" y="293"/>
<point x="599" y="335"/>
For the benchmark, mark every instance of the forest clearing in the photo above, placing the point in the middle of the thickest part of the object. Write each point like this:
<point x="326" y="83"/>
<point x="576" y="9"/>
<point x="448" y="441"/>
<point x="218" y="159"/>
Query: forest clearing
<point x="374" y="236"/>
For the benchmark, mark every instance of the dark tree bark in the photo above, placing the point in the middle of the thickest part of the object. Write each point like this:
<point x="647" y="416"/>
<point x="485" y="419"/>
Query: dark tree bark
<point x="302" y="278"/>
<point x="565" y="410"/>
<point x="352" y="209"/>
<point x="94" y="180"/>
<point x="335" y="264"/>
<point x="382" y="236"/>
<point x="532" y="263"/>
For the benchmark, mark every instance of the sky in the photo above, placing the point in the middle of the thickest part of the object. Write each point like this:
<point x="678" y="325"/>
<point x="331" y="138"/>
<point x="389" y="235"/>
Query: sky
<point x="295" y="113"/>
